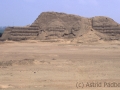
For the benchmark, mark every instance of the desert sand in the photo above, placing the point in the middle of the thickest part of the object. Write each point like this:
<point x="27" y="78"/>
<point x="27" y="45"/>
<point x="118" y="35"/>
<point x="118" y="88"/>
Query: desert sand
<point x="36" y="65"/>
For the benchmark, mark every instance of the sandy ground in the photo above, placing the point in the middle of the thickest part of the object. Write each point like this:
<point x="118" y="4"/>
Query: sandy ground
<point x="35" y="65"/>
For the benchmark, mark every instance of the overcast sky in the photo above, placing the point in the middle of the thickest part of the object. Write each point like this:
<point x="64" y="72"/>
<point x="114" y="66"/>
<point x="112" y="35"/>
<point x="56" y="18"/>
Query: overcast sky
<point x="24" y="12"/>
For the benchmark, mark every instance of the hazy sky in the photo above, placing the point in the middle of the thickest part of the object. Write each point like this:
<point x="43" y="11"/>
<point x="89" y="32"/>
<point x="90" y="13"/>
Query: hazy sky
<point x="24" y="12"/>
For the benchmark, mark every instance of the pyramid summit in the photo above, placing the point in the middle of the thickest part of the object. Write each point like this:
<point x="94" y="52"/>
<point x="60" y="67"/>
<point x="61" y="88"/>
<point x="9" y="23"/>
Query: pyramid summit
<point x="54" y="25"/>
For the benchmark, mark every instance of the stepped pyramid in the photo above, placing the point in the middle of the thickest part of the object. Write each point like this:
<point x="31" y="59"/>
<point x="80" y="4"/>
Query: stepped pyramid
<point x="54" y="25"/>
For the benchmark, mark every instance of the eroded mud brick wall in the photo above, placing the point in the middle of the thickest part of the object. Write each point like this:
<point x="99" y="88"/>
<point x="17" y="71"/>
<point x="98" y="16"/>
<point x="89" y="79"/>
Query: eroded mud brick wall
<point x="21" y="33"/>
<point x="54" y="25"/>
<point x="60" y="25"/>
<point x="106" y="25"/>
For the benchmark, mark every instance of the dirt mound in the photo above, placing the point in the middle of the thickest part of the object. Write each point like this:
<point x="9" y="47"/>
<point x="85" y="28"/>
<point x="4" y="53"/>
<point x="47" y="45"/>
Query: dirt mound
<point x="92" y="36"/>
<point x="17" y="62"/>
<point x="54" y="25"/>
